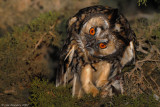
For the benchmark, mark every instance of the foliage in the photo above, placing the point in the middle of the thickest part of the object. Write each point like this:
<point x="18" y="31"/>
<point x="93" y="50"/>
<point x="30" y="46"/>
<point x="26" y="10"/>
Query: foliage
<point x="148" y="31"/>
<point x="45" y="94"/>
<point x="142" y="2"/>
<point x="25" y="53"/>
<point x="16" y="46"/>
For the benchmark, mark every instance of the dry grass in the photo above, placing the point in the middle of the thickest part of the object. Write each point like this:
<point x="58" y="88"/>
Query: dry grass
<point x="144" y="77"/>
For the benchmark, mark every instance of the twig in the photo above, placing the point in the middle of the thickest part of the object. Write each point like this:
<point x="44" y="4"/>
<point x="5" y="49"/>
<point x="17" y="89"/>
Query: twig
<point x="149" y="60"/>
<point x="155" y="83"/>
<point x="52" y="34"/>
<point x="40" y="40"/>
<point x="148" y="83"/>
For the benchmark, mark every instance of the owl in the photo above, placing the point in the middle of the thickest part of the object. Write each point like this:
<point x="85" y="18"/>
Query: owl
<point x="99" y="44"/>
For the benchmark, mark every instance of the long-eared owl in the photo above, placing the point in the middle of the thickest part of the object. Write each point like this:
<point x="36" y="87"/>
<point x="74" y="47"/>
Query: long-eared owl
<point x="99" y="44"/>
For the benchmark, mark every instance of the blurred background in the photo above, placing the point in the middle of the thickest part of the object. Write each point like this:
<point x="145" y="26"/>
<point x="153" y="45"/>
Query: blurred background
<point x="20" y="12"/>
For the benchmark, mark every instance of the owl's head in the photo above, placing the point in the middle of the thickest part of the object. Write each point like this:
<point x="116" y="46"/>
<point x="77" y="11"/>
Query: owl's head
<point x="103" y="30"/>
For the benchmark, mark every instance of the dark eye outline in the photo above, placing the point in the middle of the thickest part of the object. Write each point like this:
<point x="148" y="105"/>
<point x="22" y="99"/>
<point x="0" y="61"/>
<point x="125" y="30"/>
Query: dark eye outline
<point x="92" y="31"/>
<point x="102" y="45"/>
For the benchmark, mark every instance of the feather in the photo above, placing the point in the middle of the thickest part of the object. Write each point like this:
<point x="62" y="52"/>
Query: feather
<point x="81" y="45"/>
<point x="70" y="54"/>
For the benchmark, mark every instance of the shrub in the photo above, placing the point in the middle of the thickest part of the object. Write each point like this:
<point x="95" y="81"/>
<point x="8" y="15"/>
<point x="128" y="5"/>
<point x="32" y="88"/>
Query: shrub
<point x="25" y="53"/>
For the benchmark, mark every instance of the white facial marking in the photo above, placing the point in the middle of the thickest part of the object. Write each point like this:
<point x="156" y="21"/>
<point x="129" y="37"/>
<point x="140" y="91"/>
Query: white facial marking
<point x="98" y="31"/>
<point x="106" y="23"/>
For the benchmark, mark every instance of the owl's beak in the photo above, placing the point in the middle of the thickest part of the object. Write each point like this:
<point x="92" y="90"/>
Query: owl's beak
<point x="90" y="49"/>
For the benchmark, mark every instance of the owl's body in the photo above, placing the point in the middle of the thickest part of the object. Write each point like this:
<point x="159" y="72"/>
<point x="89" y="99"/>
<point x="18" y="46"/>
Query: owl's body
<point x="100" y="43"/>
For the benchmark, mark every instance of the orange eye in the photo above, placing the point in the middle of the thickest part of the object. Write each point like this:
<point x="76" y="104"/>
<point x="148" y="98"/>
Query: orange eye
<point x="102" y="45"/>
<point x="92" y="31"/>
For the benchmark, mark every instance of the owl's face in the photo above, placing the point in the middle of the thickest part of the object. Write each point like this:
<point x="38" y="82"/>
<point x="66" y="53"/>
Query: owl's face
<point x="103" y="31"/>
<point x="97" y="38"/>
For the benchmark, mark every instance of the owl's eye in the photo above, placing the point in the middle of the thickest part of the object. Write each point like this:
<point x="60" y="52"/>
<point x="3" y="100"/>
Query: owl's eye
<point x="92" y="31"/>
<point x="102" y="45"/>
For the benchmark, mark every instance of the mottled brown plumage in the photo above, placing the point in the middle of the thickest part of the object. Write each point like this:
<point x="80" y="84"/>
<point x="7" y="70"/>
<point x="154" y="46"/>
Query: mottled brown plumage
<point x="100" y="43"/>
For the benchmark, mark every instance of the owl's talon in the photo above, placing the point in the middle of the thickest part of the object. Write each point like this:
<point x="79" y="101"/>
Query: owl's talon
<point x="95" y="92"/>
<point x="102" y="83"/>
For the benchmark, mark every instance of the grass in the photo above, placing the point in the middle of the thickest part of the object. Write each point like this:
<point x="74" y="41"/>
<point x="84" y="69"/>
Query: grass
<point x="45" y="94"/>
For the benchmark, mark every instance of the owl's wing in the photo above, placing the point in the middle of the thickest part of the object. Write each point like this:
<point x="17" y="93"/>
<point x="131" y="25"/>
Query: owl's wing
<point x="126" y="34"/>
<point x="129" y="37"/>
<point x="64" y="70"/>
<point x="66" y="56"/>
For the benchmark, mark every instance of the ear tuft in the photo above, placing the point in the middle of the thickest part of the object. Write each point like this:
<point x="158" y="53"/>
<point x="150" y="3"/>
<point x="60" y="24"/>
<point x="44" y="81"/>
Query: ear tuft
<point x="71" y="21"/>
<point x="114" y="14"/>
